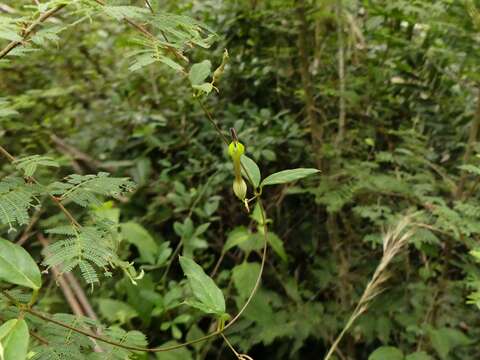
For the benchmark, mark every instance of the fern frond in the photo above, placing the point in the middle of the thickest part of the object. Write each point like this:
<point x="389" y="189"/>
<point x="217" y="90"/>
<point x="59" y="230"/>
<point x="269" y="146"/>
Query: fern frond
<point x="28" y="165"/>
<point x="87" y="248"/>
<point x="84" y="189"/>
<point x="120" y="12"/>
<point x="63" y="343"/>
<point x="6" y="109"/>
<point x="62" y="230"/>
<point x="16" y="198"/>
<point x="131" y="338"/>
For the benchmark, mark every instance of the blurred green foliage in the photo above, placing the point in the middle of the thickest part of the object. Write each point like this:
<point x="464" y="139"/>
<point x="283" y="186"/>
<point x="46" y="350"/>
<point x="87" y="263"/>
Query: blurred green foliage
<point x="91" y="97"/>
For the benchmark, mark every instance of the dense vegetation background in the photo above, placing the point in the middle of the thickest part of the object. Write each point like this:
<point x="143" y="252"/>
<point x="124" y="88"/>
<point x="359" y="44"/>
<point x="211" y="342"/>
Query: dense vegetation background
<point x="381" y="96"/>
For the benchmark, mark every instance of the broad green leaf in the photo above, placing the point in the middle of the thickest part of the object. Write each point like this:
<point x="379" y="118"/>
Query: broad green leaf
<point x="169" y="62"/>
<point x="199" y="72"/>
<point x="141" y="61"/>
<point x="137" y="235"/>
<point x="244" y="277"/>
<point x="114" y="310"/>
<point x="17" y="266"/>
<point x="277" y="245"/>
<point x="209" y="298"/>
<point x="252" y="170"/>
<point x="237" y="236"/>
<point x="285" y="176"/>
<point x="386" y="352"/>
<point x="205" y="87"/>
<point x="419" y="355"/>
<point x="14" y="338"/>
<point x="445" y="339"/>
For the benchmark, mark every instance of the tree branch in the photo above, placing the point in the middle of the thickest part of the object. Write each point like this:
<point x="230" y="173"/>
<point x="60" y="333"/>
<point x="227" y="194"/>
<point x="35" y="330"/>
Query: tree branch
<point x="13" y="44"/>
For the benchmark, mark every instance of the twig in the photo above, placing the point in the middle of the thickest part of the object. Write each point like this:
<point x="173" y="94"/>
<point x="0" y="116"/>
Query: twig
<point x="68" y="292"/>
<point x="13" y="44"/>
<point x="80" y="294"/>
<point x="28" y="231"/>
<point x="6" y="9"/>
<point x="75" y="153"/>
<point x="149" y="6"/>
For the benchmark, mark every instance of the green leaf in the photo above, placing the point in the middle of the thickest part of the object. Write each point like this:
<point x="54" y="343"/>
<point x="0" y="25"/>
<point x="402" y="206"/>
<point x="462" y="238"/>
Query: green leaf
<point x="137" y="235"/>
<point x="141" y="61"/>
<point x="17" y="266"/>
<point x="277" y="245"/>
<point x="114" y="310"/>
<point x="472" y="169"/>
<point x="285" y="176"/>
<point x="419" y="355"/>
<point x="29" y="164"/>
<point x="386" y="352"/>
<point x="209" y="297"/>
<point x="236" y="237"/>
<point x="252" y="170"/>
<point x="244" y="277"/>
<point x="445" y="339"/>
<point x="14" y="338"/>
<point x="199" y="72"/>
<point x="169" y="62"/>
<point x="205" y="87"/>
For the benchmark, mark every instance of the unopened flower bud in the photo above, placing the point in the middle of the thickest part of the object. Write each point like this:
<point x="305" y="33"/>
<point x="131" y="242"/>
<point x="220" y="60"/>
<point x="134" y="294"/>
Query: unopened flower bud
<point x="240" y="188"/>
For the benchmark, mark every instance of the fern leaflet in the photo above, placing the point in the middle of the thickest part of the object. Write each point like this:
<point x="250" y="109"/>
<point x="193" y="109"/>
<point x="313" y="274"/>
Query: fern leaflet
<point x="84" y="189"/>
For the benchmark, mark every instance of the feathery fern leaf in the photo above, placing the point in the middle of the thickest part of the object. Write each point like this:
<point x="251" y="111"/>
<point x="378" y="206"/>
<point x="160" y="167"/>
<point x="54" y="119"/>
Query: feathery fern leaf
<point x="6" y="109"/>
<point x="16" y="198"/>
<point x="86" y="248"/>
<point x="63" y="343"/>
<point x="131" y="338"/>
<point x="28" y="165"/>
<point x="84" y="189"/>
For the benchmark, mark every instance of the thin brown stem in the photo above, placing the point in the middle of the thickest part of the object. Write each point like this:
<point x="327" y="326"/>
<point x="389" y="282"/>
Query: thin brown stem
<point x="13" y="44"/>
<point x="28" y="231"/>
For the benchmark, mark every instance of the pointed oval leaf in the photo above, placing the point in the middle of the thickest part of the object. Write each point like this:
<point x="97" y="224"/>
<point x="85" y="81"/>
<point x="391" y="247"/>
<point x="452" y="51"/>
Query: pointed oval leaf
<point x="199" y="72"/>
<point x="14" y="339"/>
<point x="386" y="352"/>
<point x="419" y="355"/>
<point x="137" y="235"/>
<point x="244" y="278"/>
<point x="17" y="266"/>
<point x="252" y="169"/>
<point x="209" y="298"/>
<point x="285" y="176"/>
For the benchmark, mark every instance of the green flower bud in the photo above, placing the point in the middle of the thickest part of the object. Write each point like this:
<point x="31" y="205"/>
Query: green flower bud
<point x="235" y="150"/>
<point x="240" y="188"/>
